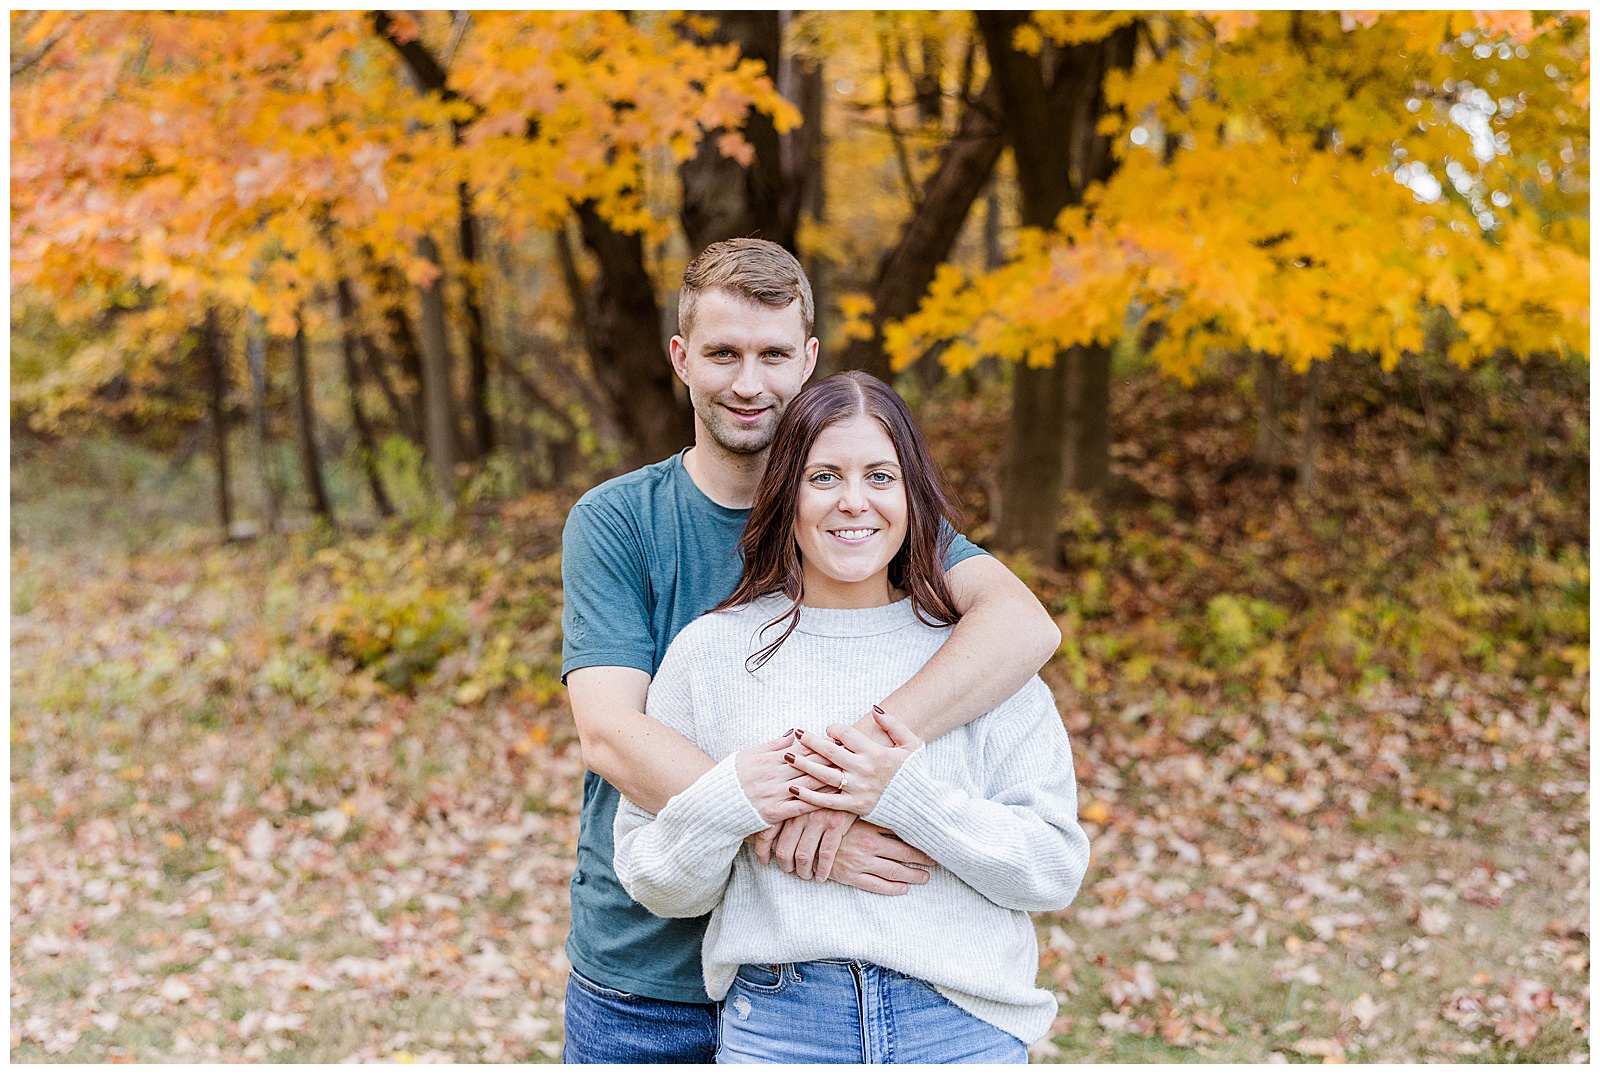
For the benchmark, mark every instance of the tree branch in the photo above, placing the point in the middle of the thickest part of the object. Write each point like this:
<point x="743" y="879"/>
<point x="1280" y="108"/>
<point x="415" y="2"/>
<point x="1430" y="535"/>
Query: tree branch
<point x="898" y="139"/>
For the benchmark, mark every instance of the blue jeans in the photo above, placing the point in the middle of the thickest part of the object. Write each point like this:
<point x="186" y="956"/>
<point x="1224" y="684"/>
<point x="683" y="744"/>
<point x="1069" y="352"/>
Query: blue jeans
<point x="604" y="1025"/>
<point x="849" y="1011"/>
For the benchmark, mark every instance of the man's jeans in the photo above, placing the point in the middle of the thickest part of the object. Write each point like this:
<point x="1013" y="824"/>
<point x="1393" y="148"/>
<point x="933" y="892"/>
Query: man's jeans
<point x="849" y="1011"/>
<point x="604" y="1025"/>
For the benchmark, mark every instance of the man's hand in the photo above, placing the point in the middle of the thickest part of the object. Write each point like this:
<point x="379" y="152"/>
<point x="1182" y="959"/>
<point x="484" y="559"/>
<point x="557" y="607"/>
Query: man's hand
<point x="807" y="845"/>
<point x="860" y="854"/>
<point x="873" y="859"/>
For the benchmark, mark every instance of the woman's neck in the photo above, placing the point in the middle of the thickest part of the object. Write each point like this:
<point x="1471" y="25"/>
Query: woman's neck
<point x="822" y="591"/>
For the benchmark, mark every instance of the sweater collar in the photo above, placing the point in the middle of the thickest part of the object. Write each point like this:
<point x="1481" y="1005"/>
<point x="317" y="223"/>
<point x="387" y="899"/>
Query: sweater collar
<point x="843" y="622"/>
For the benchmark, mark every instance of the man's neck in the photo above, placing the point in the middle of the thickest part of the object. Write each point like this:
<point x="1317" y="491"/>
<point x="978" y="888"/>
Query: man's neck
<point x="728" y="478"/>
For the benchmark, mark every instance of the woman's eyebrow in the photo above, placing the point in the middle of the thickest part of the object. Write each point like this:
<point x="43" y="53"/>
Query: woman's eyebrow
<point x="869" y="466"/>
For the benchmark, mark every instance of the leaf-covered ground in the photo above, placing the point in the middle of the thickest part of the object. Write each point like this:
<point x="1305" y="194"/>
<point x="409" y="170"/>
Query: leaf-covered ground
<point x="315" y="799"/>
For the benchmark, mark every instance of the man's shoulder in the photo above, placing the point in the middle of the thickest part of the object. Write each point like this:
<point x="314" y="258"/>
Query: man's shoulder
<point x="626" y="491"/>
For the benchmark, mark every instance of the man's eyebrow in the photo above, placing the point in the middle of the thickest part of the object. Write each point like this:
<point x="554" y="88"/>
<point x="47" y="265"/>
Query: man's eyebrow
<point x="716" y="346"/>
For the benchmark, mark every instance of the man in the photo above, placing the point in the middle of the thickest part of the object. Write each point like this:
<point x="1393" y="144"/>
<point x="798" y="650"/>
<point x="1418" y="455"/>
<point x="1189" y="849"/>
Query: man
<point x="647" y="553"/>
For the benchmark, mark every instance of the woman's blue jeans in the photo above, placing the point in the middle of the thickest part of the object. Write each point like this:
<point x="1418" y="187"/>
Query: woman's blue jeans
<point x="849" y="1011"/>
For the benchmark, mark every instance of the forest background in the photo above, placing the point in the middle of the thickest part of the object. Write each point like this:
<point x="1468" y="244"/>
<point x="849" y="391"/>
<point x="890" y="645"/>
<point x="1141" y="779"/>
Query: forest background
<point x="1257" y="343"/>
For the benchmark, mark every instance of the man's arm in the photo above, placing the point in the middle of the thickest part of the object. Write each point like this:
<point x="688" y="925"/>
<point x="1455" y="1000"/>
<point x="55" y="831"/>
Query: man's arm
<point x="649" y="761"/>
<point x="1004" y="637"/>
<point x="644" y="759"/>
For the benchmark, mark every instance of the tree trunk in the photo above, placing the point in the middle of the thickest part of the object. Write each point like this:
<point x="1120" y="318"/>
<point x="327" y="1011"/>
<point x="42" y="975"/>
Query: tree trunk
<point x="1086" y="459"/>
<point x="623" y="330"/>
<point x="994" y="255"/>
<point x="403" y="342"/>
<point x="427" y="75"/>
<point x="804" y="154"/>
<point x="928" y="83"/>
<point x="1310" y="408"/>
<point x="211" y="342"/>
<point x="305" y="425"/>
<point x="722" y="198"/>
<point x="358" y="417"/>
<point x="801" y="82"/>
<point x="477" y="344"/>
<point x="438" y="400"/>
<point x="926" y="240"/>
<point x="1053" y="102"/>
<point x="373" y="365"/>
<point x="1030" y="481"/>
<point x="255" y="349"/>
<point x="602" y="410"/>
<point x="1267" y="453"/>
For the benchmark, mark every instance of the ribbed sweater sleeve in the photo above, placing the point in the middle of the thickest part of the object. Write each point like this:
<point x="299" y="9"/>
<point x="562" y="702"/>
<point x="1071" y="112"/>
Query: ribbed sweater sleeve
<point x="1019" y="844"/>
<point x="676" y="863"/>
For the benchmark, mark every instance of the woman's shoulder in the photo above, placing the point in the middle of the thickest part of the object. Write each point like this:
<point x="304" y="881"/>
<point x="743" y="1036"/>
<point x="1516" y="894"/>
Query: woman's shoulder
<point x="715" y="629"/>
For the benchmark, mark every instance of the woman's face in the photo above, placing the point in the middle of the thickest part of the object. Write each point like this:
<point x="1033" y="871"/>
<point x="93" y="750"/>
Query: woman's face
<point x="850" y="519"/>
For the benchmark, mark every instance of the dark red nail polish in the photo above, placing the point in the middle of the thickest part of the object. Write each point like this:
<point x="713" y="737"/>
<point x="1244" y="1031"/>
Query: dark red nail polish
<point x="879" y="710"/>
<point x="793" y="793"/>
<point x="789" y="757"/>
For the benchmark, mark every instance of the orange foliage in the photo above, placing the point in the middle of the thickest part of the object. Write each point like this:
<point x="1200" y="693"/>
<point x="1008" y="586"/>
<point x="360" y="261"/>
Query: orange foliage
<point x="1276" y="192"/>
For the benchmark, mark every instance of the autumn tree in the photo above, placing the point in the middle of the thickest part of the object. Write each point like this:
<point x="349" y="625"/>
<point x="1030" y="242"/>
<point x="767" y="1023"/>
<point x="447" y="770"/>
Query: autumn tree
<point x="944" y="199"/>
<point x="256" y="179"/>
<point x="1275" y="192"/>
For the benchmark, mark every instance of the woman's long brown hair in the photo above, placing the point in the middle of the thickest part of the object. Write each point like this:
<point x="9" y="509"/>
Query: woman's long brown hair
<point x="769" y="550"/>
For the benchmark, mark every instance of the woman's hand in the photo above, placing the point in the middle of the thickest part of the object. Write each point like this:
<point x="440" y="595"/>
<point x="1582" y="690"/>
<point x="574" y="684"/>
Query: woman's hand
<point x="766" y="776"/>
<point x="858" y="768"/>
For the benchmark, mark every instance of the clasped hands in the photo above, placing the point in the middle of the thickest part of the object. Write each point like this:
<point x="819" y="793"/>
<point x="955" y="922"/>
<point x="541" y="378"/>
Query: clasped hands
<point x="812" y="788"/>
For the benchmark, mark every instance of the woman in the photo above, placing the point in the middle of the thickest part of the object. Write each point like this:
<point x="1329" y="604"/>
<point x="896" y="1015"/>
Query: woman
<point x="842" y="600"/>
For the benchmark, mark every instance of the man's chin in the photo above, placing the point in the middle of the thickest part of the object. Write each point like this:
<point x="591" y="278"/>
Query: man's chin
<point x="738" y="441"/>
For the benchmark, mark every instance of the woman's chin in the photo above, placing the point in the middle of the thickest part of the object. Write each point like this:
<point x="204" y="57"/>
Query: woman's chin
<point x="832" y="583"/>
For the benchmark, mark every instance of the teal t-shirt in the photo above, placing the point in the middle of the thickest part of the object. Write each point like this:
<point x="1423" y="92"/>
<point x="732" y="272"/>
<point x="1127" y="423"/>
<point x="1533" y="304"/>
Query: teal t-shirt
<point x="642" y="556"/>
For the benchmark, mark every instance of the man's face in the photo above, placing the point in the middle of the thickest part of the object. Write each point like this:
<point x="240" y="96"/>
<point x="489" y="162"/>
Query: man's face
<point x="742" y="363"/>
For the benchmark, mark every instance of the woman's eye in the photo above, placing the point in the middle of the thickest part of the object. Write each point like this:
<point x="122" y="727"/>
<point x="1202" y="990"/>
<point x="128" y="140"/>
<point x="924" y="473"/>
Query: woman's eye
<point x="881" y="477"/>
<point x="822" y="479"/>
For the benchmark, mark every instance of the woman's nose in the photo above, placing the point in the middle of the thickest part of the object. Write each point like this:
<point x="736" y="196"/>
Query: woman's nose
<point x="852" y="499"/>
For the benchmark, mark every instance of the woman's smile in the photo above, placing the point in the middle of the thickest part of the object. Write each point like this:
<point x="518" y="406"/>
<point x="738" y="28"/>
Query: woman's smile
<point x="857" y="536"/>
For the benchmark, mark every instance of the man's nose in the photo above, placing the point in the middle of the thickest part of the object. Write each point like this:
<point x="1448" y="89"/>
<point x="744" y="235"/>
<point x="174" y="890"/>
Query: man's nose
<point x="747" y="384"/>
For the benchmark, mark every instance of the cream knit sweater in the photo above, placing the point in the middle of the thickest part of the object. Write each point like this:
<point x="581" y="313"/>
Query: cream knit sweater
<point x="993" y="802"/>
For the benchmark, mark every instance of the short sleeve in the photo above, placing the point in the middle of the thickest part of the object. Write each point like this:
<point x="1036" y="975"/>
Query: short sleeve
<point x="605" y="620"/>
<point x="956" y="546"/>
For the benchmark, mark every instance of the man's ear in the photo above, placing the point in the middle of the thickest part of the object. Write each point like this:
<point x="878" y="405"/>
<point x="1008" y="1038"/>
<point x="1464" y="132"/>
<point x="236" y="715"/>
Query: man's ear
<point x="679" y="352"/>
<point x="812" y="346"/>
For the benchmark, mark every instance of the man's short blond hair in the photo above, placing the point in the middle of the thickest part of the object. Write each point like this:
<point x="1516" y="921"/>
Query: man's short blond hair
<point x="756" y="269"/>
